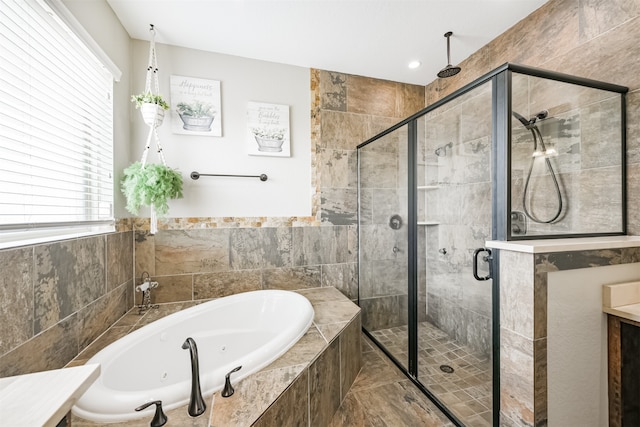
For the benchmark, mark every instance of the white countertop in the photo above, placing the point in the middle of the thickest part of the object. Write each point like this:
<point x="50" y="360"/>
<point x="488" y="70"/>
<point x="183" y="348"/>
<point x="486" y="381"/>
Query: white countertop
<point x="622" y="300"/>
<point x="43" y="398"/>
<point x="631" y="311"/>
<point x="566" y="245"/>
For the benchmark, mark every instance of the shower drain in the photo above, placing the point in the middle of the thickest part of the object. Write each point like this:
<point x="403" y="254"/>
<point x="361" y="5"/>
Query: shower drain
<point x="446" y="369"/>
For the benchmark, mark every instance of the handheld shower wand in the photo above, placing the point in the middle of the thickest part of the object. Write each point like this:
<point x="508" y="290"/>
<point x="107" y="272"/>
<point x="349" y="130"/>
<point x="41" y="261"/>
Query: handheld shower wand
<point x="544" y="152"/>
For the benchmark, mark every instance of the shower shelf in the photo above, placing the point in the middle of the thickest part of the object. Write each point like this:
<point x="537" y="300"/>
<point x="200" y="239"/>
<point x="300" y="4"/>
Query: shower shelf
<point x="428" y="187"/>
<point x="428" y="223"/>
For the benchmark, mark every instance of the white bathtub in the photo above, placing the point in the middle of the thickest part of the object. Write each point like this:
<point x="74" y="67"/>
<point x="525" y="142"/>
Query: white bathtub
<point x="251" y="329"/>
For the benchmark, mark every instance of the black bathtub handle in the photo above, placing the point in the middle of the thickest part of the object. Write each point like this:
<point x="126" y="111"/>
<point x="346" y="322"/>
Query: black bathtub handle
<point x="228" y="388"/>
<point x="159" y="419"/>
<point x="486" y="258"/>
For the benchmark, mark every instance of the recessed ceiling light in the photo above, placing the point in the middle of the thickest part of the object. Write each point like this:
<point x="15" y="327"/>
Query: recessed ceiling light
<point x="414" y="64"/>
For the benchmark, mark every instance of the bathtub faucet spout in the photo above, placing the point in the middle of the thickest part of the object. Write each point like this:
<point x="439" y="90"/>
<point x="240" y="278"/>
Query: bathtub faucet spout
<point x="196" y="402"/>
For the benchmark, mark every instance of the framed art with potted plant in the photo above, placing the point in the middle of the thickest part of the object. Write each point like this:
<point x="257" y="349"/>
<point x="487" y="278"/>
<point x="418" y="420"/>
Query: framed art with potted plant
<point x="197" y="108"/>
<point x="268" y="130"/>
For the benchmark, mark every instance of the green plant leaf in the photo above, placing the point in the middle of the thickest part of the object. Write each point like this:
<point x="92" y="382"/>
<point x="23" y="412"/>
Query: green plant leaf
<point x="152" y="185"/>
<point x="149" y="98"/>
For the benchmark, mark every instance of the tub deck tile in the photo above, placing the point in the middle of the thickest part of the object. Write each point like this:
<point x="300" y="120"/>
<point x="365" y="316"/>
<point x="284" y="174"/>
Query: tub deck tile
<point x="303" y="352"/>
<point x="325" y="294"/>
<point x="334" y="311"/>
<point x="253" y="395"/>
<point x="176" y="417"/>
<point x="331" y="330"/>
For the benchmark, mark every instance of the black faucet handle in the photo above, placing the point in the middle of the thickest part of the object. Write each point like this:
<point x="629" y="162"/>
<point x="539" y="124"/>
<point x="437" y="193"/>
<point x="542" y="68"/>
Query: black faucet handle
<point x="228" y="389"/>
<point x="159" y="418"/>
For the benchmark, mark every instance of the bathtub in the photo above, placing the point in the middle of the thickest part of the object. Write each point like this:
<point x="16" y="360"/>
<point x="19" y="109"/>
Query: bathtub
<point x="251" y="329"/>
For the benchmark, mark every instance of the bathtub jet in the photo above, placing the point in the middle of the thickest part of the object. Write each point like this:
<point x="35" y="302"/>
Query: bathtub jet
<point x="251" y="329"/>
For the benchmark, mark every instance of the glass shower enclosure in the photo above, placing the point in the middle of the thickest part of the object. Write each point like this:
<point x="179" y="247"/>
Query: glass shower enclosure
<point x="520" y="153"/>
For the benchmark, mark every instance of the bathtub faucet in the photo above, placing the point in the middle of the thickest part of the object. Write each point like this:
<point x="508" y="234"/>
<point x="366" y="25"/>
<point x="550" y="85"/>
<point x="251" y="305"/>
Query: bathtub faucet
<point x="196" y="402"/>
<point x="145" y="287"/>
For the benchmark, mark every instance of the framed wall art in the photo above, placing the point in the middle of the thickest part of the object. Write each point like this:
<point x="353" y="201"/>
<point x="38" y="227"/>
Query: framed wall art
<point x="268" y="132"/>
<point x="195" y="106"/>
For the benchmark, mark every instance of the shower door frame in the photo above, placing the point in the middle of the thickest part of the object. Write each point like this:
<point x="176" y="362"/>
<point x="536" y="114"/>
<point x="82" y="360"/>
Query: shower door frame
<point x="500" y="204"/>
<point x="411" y="370"/>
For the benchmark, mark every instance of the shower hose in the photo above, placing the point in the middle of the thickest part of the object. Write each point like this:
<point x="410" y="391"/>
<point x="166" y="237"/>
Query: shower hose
<point x="535" y="132"/>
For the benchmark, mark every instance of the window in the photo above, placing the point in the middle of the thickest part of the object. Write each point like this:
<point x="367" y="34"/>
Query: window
<point x="56" y="125"/>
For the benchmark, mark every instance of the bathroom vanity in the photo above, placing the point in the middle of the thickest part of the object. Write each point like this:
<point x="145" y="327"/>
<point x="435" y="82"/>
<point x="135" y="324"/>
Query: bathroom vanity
<point x="621" y="302"/>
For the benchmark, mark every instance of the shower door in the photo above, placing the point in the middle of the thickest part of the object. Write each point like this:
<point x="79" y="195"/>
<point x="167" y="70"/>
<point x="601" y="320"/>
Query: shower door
<point x="425" y="205"/>
<point x="454" y="183"/>
<point x="383" y="241"/>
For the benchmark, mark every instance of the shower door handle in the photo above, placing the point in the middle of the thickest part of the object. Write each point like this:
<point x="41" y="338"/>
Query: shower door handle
<point x="487" y="258"/>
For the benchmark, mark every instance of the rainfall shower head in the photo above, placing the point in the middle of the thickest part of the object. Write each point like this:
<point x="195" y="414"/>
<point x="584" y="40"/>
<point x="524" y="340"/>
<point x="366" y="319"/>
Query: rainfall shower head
<point x="449" y="70"/>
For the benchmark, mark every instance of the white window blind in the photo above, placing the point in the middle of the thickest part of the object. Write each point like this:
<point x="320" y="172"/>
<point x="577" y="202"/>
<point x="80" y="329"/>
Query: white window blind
<point x="56" y="124"/>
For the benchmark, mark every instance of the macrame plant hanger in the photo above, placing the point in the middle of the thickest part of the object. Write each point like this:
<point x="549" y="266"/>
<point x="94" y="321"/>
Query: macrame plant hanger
<point x="154" y="120"/>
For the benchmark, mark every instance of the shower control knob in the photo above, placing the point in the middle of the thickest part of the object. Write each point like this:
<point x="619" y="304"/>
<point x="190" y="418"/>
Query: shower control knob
<point x="395" y="222"/>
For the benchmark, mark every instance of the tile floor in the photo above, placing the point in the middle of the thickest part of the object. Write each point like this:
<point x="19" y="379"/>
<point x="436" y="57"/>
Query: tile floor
<point x="382" y="396"/>
<point x="467" y="390"/>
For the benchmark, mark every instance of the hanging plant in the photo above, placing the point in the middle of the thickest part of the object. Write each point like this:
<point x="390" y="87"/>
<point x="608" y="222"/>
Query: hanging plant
<point x="151" y="185"/>
<point x="152" y="106"/>
<point x="149" y="98"/>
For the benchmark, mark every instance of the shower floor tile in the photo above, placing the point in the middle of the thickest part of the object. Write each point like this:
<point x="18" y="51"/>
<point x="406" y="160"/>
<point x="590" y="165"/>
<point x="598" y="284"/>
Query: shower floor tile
<point x="382" y="396"/>
<point x="467" y="390"/>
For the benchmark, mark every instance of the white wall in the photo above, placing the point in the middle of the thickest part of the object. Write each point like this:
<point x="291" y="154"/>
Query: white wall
<point x="288" y="189"/>
<point x="577" y="344"/>
<point x="104" y="27"/>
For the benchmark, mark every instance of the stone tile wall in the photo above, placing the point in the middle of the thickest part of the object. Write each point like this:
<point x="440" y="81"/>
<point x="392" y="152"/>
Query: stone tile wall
<point x="596" y="39"/>
<point x="56" y="298"/>
<point x="197" y="264"/>
<point x="351" y="110"/>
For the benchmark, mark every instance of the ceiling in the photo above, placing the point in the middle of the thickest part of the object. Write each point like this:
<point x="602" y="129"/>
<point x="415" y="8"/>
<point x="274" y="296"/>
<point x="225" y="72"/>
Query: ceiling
<point x="374" y="38"/>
